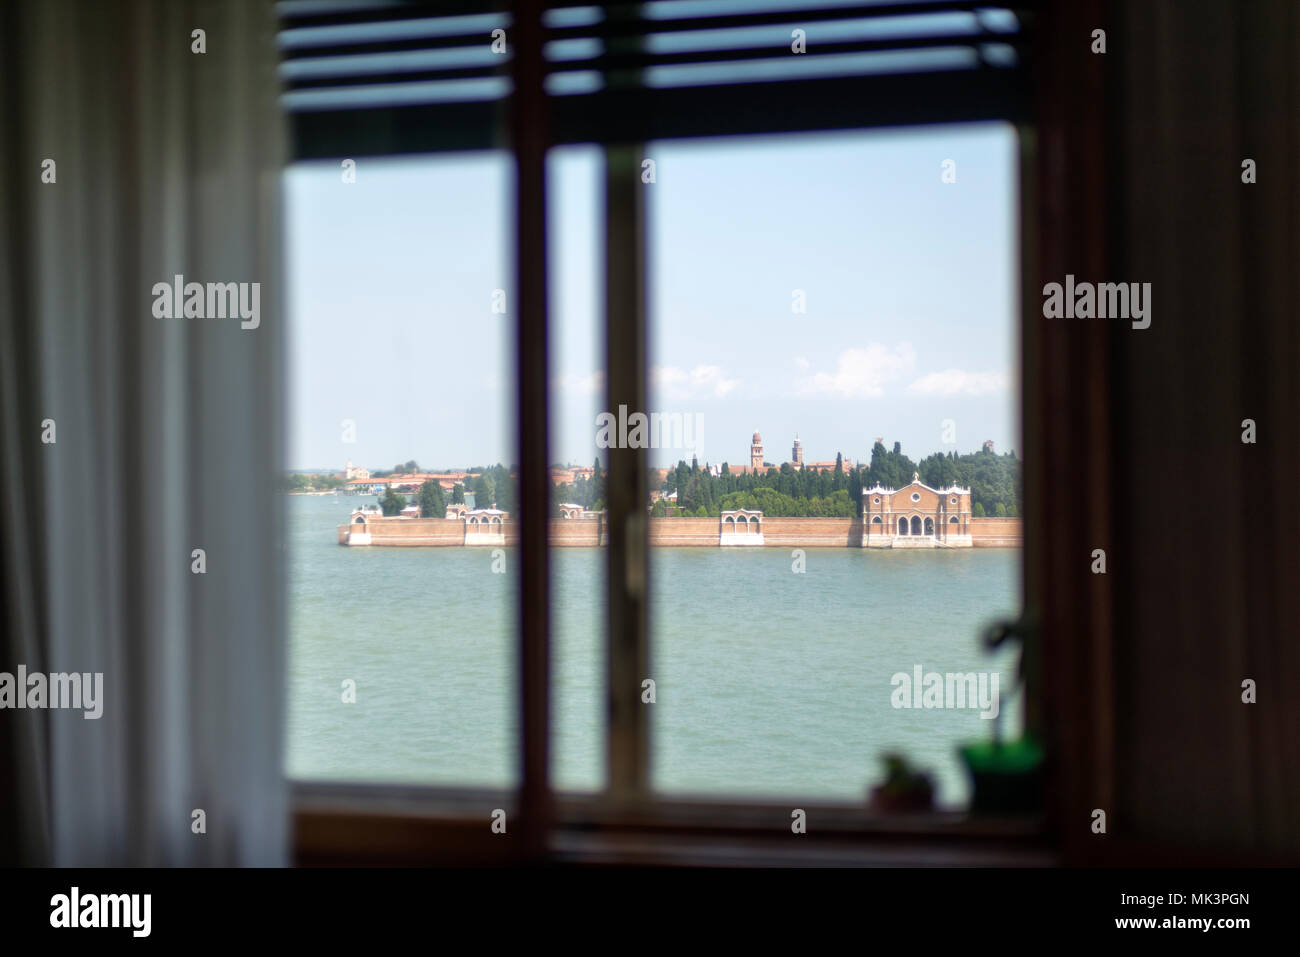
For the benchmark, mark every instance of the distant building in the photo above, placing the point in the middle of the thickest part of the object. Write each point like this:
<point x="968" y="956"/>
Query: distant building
<point x="988" y="445"/>
<point x="916" y="516"/>
<point x="845" y="466"/>
<point x="405" y="483"/>
<point x="355" y="472"/>
<point x="756" y="453"/>
<point x="796" y="453"/>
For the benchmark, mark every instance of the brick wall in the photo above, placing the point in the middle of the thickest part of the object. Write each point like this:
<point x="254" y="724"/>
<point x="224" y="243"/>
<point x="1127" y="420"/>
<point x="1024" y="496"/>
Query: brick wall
<point x="684" y="531"/>
<point x="776" y="531"/>
<point x="812" y="531"/>
<point x="588" y="533"/>
<point x="424" y="532"/>
<point x="577" y="532"/>
<point x="997" y="532"/>
<point x="410" y="531"/>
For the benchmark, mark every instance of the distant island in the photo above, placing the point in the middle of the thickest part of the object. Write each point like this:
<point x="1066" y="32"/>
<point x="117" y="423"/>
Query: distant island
<point x="794" y="489"/>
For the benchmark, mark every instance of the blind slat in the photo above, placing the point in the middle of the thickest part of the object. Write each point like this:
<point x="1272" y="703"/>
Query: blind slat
<point x="377" y="76"/>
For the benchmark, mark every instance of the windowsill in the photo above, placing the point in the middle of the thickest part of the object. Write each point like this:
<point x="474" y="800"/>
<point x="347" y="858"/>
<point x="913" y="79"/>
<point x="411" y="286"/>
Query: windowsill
<point x="352" y="824"/>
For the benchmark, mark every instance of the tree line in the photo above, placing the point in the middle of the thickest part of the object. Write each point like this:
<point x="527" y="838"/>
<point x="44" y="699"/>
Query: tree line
<point x="994" y="480"/>
<point x="302" y="482"/>
<point x="492" y="488"/>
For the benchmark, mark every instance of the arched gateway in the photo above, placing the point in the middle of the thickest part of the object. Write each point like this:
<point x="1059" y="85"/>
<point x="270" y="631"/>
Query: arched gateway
<point x="741" y="526"/>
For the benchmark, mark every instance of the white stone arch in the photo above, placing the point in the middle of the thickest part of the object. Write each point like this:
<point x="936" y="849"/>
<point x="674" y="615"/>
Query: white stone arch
<point x="902" y="525"/>
<point x="916" y="524"/>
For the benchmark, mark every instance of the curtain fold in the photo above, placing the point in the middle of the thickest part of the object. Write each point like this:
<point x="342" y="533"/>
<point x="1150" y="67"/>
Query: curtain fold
<point x="167" y="432"/>
<point x="1208" y="596"/>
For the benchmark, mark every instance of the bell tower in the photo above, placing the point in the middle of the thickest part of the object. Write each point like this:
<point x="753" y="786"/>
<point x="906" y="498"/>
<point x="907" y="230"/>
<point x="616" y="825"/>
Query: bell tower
<point x="756" y="453"/>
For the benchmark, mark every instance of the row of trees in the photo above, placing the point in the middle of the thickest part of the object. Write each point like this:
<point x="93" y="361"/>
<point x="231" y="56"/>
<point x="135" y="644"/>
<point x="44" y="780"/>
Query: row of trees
<point x="492" y="488"/>
<point x="995" y="483"/>
<point x="587" y="492"/>
<point x="405" y="468"/>
<point x="302" y="482"/>
<point x="994" y="480"/>
<point x="771" y="503"/>
<point x="698" y="487"/>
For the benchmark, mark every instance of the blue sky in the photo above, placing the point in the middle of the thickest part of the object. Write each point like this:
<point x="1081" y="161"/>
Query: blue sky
<point x="909" y="284"/>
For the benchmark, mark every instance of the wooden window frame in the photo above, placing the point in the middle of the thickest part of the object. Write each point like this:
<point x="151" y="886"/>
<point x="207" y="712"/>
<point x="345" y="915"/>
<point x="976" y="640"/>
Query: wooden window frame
<point x="1064" y="414"/>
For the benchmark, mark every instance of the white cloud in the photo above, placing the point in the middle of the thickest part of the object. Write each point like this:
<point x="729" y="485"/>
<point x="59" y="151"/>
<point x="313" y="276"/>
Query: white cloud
<point x="593" y="384"/>
<point x="801" y="363"/>
<point x="863" y="373"/>
<point x="702" y="382"/>
<point x="959" y="382"/>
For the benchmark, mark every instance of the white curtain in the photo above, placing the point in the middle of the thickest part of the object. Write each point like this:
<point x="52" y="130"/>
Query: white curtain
<point x="167" y="432"/>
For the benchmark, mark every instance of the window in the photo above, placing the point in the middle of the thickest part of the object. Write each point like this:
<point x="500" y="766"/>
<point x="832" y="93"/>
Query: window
<point x="897" y="73"/>
<point x="400" y="376"/>
<point x="772" y="233"/>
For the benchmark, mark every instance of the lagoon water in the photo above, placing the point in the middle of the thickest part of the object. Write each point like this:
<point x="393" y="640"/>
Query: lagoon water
<point x="769" y="683"/>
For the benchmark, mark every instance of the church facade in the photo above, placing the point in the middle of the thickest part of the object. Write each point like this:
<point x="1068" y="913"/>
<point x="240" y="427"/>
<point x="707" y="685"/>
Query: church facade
<point x="916" y="516"/>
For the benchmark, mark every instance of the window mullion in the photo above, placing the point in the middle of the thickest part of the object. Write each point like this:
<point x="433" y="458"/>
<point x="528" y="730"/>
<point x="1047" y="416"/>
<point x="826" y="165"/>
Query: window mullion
<point x="625" y="365"/>
<point x="528" y="130"/>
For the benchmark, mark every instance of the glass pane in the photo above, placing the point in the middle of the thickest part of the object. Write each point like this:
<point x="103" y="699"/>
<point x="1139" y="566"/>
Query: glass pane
<point x="831" y="313"/>
<point x="402" y="623"/>
<point x="578" y="569"/>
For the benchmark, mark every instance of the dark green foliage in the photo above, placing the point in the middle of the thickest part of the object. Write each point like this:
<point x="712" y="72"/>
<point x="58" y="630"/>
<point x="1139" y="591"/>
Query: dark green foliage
<point x="433" y="504"/>
<point x="392" y="503"/>
<point x="484" y="491"/>
<point x="302" y="482"/>
<point x="994" y="481"/>
<point x="589" y="493"/>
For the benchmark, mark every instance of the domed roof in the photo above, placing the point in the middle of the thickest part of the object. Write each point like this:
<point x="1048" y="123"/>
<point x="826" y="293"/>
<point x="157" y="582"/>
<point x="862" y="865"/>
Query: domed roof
<point x="757" y="437"/>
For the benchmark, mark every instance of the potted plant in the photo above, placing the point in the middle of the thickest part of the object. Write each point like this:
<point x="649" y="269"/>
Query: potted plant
<point x="1006" y="776"/>
<point x="903" y="790"/>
